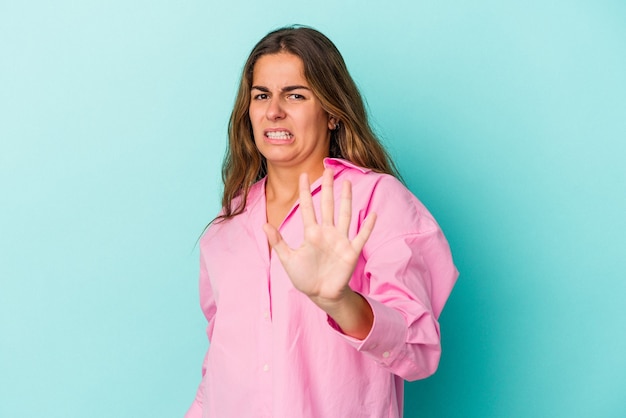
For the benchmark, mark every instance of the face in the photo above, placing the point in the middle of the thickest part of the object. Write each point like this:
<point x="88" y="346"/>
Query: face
<point x="290" y="127"/>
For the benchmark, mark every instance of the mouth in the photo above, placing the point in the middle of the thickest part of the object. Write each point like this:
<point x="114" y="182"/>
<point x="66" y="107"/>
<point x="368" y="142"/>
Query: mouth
<point x="281" y="135"/>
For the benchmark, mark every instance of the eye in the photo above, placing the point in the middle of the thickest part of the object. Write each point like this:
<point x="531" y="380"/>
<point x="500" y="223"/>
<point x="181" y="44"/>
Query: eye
<point x="296" y="96"/>
<point x="260" y="96"/>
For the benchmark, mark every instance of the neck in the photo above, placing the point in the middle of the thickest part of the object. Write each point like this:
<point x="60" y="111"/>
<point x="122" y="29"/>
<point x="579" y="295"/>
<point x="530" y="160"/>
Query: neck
<point x="282" y="182"/>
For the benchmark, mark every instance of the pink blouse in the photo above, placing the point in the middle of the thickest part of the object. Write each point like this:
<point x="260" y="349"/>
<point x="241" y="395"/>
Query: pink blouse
<point x="273" y="353"/>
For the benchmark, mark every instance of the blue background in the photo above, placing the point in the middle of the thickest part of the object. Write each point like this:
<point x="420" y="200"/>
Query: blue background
<point x="507" y="119"/>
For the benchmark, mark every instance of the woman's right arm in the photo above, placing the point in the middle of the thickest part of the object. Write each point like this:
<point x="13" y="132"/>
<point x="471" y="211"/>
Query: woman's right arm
<point x="207" y="303"/>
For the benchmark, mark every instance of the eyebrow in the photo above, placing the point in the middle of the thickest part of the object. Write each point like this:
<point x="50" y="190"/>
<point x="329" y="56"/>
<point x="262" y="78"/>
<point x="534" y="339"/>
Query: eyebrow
<point x="285" y="89"/>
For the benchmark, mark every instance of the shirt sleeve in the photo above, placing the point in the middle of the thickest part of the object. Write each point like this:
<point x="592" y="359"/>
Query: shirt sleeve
<point x="406" y="274"/>
<point x="207" y="303"/>
<point x="195" y="410"/>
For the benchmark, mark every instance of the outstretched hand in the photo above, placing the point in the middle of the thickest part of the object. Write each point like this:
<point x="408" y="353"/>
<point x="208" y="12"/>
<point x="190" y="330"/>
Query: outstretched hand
<point x="322" y="266"/>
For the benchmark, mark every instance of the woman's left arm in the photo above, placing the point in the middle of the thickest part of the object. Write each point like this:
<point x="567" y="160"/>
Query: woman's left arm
<point x="407" y="266"/>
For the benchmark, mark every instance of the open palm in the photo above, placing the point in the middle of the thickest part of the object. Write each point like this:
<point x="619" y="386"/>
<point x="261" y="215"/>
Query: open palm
<point x="322" y="266"/>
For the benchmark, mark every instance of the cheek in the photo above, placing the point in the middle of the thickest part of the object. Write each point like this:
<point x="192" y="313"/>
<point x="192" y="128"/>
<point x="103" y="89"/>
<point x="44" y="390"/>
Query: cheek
<point x="257" y="130"/>
<point x="255" y="111"/>
<point x="252" y="115"/>
<point x="321" y="121"/>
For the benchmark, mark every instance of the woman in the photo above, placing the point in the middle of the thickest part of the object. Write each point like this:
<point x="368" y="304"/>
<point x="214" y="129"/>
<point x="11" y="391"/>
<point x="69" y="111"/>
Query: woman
<point x="320" y="298"/>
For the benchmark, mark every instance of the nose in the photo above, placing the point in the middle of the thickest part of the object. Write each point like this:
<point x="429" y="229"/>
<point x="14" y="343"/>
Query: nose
<point x="274" y="109"/>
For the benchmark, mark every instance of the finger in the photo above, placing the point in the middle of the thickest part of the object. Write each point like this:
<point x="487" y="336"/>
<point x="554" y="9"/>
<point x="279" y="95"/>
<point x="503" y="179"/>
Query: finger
<point x="276" y="241"/>
<point x="328" y="198"/>
<point x="364" y="233"/>
<point x="345" y="208"/>
<point x="306" y="202"/>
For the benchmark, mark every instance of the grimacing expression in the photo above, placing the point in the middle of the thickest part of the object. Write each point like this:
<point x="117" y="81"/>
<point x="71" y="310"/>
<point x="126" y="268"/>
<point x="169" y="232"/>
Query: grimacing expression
<point x="289" y="124"/>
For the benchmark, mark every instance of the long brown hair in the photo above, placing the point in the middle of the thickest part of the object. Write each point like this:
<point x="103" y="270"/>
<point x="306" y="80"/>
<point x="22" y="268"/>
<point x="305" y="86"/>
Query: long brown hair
<point x="327" y="74"/>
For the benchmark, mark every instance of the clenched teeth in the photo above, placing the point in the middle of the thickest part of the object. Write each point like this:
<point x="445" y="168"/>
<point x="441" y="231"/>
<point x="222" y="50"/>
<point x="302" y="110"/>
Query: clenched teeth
<point x="278" y="135"/>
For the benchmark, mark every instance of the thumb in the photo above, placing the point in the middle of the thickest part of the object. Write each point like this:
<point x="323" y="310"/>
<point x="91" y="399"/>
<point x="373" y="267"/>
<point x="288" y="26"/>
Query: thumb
<point x="276" y="241"/>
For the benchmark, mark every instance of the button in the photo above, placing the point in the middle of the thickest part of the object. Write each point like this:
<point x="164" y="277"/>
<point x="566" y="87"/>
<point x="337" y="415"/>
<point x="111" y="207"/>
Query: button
<point x="266" y="367"/>
<point x="266" y="315"/>
<point x="386" y="354"/>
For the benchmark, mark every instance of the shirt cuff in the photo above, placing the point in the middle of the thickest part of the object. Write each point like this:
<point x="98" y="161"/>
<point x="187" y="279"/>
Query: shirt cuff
<point x="386" y="338"/>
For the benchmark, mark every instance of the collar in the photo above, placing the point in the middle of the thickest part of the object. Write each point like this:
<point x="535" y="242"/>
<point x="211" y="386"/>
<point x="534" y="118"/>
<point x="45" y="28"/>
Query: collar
<point x="257" y="190"/>
<point x="342" y="164"/>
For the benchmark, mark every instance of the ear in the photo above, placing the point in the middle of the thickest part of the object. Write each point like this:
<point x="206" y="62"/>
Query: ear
<point x="333" y="123"/>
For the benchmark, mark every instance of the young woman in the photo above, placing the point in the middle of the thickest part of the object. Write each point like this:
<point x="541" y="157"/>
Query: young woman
<point x="323" y="277"/>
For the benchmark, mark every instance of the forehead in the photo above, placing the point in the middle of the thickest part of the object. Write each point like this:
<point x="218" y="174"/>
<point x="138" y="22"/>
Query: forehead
<point x="278" y="69"/>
